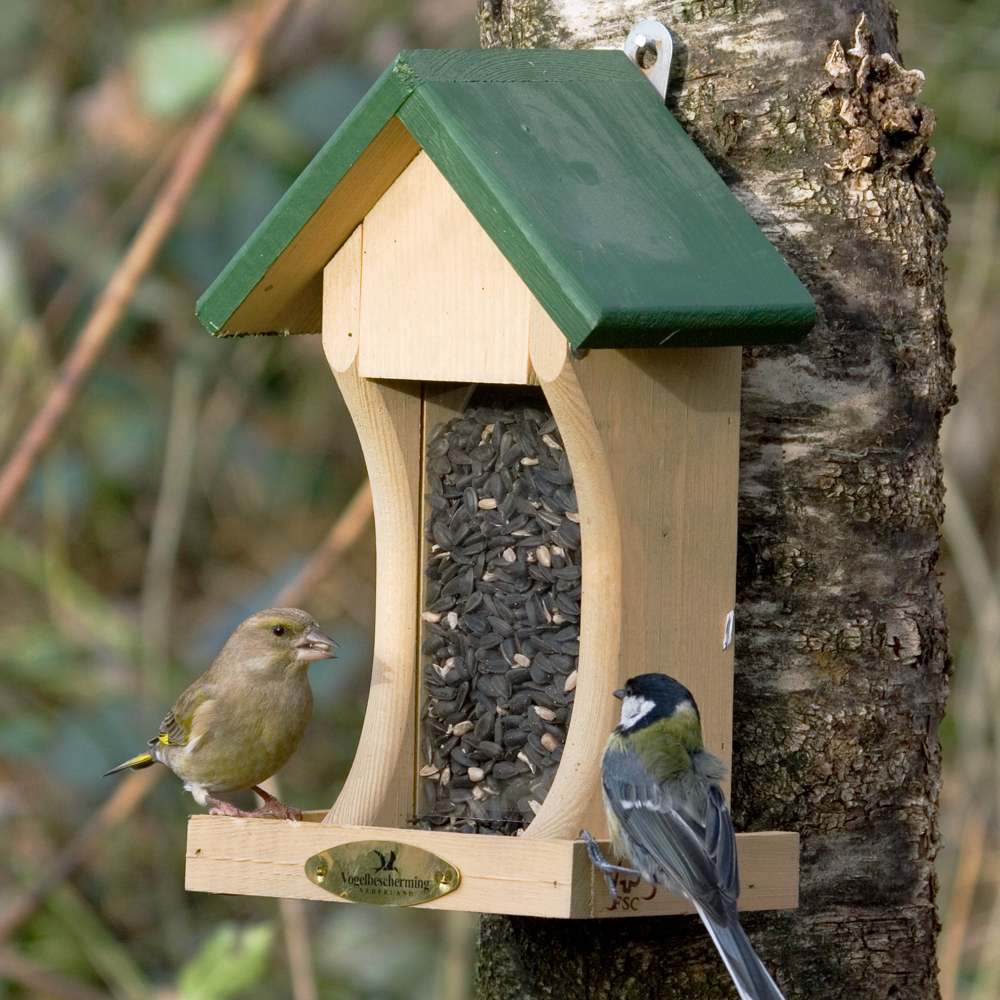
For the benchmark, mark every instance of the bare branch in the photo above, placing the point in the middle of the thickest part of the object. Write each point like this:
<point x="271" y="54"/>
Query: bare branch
<point x="141" y="253"/>
<point x="342" y="536"/>
<point x="74" y="286"/>
<point x="125" y="798"/>
<point x="300" y="965"/>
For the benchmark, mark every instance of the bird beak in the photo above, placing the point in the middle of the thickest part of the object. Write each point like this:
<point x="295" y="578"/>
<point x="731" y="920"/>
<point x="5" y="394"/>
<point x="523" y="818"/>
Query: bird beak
<point x="619" y="694"/>
<point x="315" y="645"/>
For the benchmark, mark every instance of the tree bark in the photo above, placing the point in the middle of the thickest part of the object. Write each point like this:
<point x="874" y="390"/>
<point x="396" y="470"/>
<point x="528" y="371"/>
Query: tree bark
<point x="841" y="657"/>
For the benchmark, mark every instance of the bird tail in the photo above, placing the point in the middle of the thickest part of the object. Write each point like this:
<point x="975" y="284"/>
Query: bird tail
<point x="136" y="764"/>
<point x="752" y="980"/>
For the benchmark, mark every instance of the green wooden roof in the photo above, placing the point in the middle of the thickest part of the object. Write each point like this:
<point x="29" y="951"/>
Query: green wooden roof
<point x="582" y="178"/>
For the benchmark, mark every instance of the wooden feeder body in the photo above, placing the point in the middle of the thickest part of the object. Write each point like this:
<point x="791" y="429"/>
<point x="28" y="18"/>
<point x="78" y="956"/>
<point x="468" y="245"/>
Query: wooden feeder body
<point x="419" y="304"/>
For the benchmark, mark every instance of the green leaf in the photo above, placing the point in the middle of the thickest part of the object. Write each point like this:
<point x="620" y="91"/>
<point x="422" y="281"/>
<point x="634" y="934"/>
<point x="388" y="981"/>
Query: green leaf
<point x="232" y="960"/>
<point x="177" y="66"/>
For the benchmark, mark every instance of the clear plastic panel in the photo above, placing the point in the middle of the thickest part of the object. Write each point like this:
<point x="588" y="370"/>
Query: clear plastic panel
<point x="500" y="626"/>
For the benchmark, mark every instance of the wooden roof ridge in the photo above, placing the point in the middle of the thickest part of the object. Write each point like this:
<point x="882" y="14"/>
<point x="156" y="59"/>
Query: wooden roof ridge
<point x="581" y="177"/>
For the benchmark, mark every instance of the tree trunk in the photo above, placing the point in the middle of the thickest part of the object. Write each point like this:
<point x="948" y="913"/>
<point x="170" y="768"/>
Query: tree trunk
<point x="841" y="658"/>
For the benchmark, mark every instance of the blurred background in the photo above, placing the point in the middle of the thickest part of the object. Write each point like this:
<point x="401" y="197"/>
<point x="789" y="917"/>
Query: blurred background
<point x="189" y="485"/>
<point x="956" y="43"/>
<point x="194" y="478"/>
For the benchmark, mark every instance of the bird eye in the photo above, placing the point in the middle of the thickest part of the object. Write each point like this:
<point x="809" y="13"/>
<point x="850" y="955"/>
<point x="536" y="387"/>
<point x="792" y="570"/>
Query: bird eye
<point x="278" y="630"/>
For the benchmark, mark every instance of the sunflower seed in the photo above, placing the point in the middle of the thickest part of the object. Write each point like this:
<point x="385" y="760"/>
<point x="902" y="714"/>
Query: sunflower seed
<point x="520" y="702"/>
<point x="515" y="738"/>
<point x="459" y="756"/>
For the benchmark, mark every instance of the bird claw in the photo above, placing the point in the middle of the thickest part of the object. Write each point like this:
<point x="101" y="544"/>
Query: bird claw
<point x="608" y="870"/>
<point x="599" y="861"/>
<point x="279" y="811"/>
<point x="271" y="808"/>
<point x="275" y="807"/>
<point x="609" y="881"/>
<point x="222" y="808"/>
<point x="594" y="851"/>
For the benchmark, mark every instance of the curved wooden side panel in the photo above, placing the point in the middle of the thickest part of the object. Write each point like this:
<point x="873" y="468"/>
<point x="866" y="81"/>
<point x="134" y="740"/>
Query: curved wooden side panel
<point x="574" y="800"/>
<point x="669" y="421"/>
<point x="379" y="788"/>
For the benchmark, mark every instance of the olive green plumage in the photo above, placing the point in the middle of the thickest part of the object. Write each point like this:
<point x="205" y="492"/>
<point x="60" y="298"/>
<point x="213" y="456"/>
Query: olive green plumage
<point x="667" y="748"/>
<point x="245" y="716"/>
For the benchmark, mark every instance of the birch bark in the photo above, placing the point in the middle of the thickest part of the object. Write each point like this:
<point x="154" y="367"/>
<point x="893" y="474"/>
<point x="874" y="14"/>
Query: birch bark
<point x="805" y="109"/>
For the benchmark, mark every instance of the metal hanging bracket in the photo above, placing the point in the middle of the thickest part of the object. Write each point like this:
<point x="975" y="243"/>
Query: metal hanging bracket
<point x="650" y="47"/>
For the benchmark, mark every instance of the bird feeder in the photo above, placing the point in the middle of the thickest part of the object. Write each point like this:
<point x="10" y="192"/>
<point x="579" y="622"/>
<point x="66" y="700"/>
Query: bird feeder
<point x="525" y="247"/>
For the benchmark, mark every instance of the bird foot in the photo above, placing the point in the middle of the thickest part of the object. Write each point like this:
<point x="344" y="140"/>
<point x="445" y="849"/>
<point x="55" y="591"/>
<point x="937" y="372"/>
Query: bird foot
<point x="222" y="808"/>
<point x="275" y="807"/>
<point x="272" y="808"/>
<point x="608" y="870"/>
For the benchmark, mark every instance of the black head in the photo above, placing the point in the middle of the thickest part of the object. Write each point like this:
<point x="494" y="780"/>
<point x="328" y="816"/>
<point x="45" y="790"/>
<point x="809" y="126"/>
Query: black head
<point x="650" y="697"/>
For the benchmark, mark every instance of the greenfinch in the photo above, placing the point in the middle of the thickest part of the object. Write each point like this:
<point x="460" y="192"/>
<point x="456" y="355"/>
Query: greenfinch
<point x="245" y="716"/>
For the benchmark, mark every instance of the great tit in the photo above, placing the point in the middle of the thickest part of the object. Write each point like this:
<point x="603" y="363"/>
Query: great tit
<point x="667" y="814"/>
<point x="246" y="715"/>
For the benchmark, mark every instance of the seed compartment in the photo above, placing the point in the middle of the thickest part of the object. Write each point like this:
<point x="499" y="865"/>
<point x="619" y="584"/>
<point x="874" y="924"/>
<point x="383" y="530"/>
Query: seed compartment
<point x="496" y="617"/>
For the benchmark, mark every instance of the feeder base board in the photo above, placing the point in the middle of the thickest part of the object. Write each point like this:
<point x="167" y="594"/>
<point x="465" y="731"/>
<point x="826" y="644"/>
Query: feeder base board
<point x="537" y="878"/>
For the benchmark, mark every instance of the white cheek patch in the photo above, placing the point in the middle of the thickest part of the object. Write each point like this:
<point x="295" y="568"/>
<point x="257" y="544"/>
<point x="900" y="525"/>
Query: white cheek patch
<point x="635" y="708"/>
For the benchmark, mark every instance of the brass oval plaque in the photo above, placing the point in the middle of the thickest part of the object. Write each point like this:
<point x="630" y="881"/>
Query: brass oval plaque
<point x="382" y="872"/>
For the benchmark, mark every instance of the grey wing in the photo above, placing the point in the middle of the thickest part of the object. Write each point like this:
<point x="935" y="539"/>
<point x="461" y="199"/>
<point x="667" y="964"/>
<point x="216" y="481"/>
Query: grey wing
<point x="720" y="841"/>
<point x="677" y="836"/>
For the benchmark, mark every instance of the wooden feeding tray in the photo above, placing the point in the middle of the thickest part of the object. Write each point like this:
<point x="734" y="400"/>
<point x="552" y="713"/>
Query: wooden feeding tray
<point x="464" y="229"/>
<point x="540" y="878"/>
